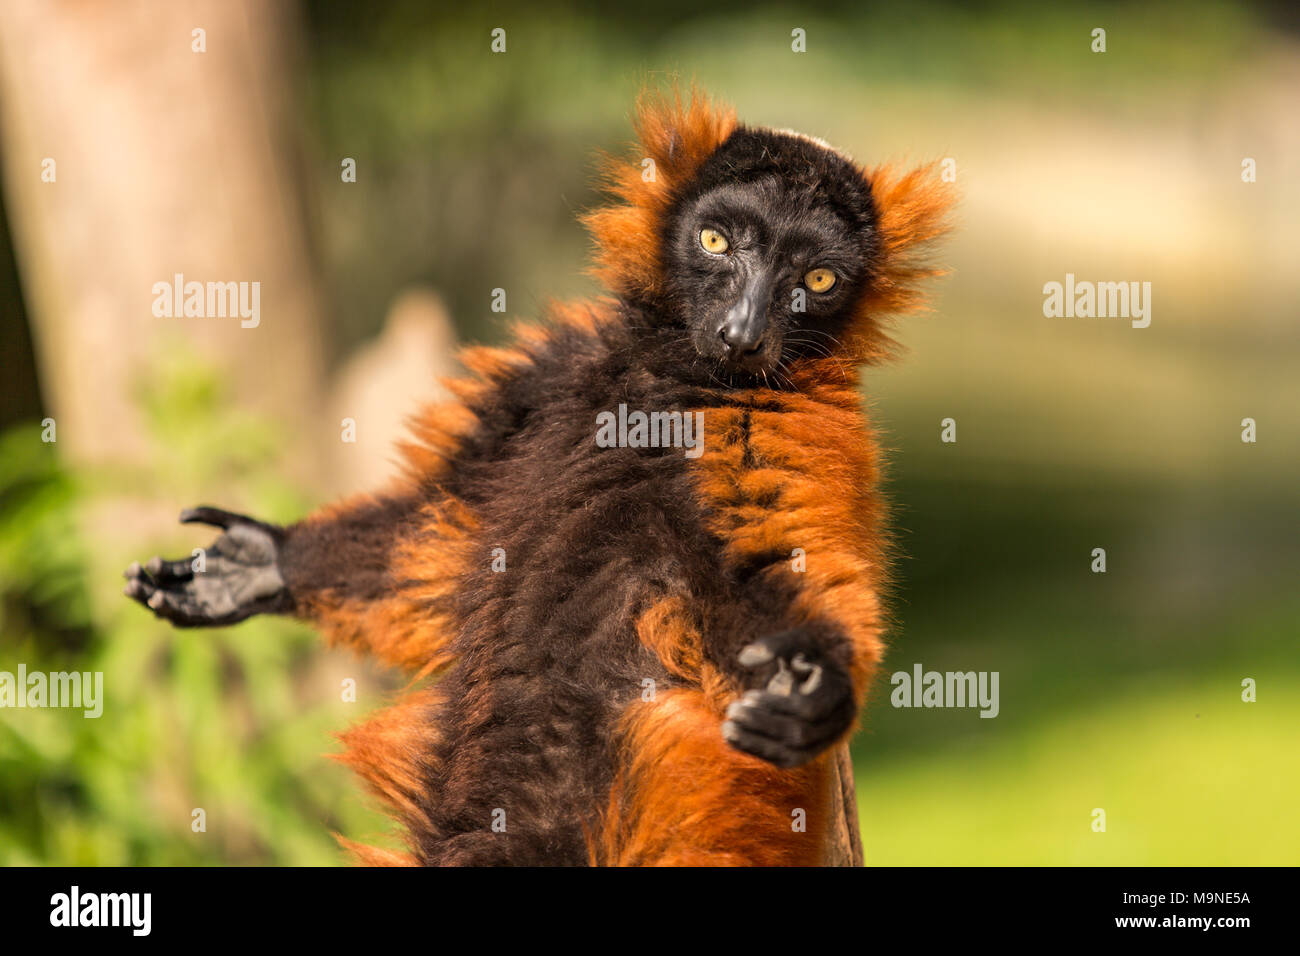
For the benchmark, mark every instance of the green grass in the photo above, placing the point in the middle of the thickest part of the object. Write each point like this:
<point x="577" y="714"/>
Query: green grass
<point x="1113" y="695"/>
<point x="1186" y="772"/>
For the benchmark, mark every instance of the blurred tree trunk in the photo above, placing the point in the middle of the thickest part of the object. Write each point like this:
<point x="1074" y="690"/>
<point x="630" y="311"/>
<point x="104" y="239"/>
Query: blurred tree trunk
<point x="166" y="161"/>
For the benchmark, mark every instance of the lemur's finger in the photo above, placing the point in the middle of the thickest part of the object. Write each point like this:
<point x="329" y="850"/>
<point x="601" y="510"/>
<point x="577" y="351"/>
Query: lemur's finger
<point x="164" y="571"/>
<point x="785" y="729"/>
<point x="810" y="707"/>
<point x="810" y="679"/>
<point x="803" y="667"/>
<point x="176" y="607"/>
<point x="179" y="606"/>
<point x="229" y="521"/>
<point x="217" y="517"/>
<point x="138" y="584"/>
<point x="823" y="716"/>
<point x="762" y="747"/>
<point x="768" y="648"/>
<point x="145" y="590"/>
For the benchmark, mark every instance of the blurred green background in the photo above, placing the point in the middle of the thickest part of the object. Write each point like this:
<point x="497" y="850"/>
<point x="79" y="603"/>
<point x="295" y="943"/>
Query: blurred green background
<point x="1119" y="691"/>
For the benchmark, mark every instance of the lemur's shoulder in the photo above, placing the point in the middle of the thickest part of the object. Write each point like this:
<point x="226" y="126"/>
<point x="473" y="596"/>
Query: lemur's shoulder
<point x="503" y="385"/>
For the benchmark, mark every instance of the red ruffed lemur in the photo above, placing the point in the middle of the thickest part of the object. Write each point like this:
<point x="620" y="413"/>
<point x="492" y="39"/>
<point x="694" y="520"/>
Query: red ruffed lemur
<point x="629" y="655"/>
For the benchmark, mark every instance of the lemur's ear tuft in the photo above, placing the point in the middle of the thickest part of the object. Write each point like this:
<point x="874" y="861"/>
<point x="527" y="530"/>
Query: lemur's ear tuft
<point x="913" y="209"/>
<point x="675" y="135"/>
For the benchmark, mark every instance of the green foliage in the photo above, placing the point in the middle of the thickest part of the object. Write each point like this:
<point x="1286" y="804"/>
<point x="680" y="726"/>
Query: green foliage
<point x="230" y="721"/>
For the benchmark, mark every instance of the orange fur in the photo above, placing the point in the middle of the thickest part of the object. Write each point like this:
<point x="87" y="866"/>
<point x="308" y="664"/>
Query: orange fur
<point x="678" y="135"/>
<point x="913" y="209"/>
<point x="388" y="752"/>
<point x="363" y="855"/>
<point x="668" y="627"/>
<point x="401" y="631"/>
<point x="811" y="453"/>
<point x="684" y="797"/>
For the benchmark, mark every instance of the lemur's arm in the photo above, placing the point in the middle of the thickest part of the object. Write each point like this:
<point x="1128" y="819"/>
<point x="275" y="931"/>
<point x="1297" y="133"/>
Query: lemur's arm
<point x="796" y="696"/>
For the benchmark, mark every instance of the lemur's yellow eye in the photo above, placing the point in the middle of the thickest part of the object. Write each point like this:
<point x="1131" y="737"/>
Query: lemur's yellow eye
<point x="819" y="280"/>
<point x="713" y="241"/>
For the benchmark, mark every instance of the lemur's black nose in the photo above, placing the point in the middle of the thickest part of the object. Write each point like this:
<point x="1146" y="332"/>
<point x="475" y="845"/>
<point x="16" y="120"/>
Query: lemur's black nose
<point x="741" y="337"/>
<point x="746" y="322"/>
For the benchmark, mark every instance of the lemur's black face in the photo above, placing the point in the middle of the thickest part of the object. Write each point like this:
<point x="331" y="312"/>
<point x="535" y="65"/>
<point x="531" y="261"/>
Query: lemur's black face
<point x="767" y="256"/>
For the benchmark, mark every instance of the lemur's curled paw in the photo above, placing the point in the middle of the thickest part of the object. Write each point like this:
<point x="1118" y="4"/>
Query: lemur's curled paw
<point x="805" y="706"/>
<point x="237" y="577"/>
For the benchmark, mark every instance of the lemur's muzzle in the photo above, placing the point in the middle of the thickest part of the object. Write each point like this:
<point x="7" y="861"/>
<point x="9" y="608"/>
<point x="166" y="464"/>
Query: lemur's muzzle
<point x="746" y="322"/>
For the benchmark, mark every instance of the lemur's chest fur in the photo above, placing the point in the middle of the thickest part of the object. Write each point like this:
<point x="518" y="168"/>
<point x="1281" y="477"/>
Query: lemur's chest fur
<point x="789" y="486"/>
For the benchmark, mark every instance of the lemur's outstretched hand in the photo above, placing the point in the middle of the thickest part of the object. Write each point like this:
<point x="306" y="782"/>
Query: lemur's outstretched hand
<point x="804" y="707"/>
<point x="239" y="575"/>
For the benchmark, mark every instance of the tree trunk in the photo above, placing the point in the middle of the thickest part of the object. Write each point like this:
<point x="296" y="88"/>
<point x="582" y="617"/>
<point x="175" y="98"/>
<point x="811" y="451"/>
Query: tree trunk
<point x="165" y="161"/>
<point x="844" y="842"/>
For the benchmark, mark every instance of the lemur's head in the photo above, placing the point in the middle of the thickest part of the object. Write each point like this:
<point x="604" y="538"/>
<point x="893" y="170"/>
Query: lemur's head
<point x="767" y="249"/>
<point x="771" y="249"/>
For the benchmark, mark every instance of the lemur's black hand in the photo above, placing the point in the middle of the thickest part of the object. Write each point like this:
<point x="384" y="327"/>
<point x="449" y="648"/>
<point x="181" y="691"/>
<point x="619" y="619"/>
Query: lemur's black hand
<point x="240" y="576"/>
<point x="806" y="705"/>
